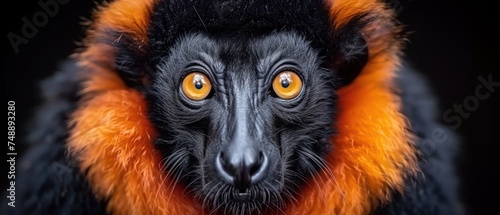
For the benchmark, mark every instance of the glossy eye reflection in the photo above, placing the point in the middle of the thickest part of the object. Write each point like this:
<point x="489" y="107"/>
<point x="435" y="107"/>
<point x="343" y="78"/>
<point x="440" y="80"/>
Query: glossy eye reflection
<point x="196" y="86"/>
<point x="287" y="85"/>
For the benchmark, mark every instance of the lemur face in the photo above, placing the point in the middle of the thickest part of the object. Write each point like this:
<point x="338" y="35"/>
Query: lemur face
<point x="242" y="123"/>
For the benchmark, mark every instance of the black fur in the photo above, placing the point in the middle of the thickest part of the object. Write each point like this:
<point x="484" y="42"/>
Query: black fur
<point x="239" y="19"/>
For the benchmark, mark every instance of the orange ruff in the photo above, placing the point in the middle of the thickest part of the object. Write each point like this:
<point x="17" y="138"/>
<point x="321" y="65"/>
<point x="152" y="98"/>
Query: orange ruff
<point x="112" y="137"/>
<point x="113" y="141"/>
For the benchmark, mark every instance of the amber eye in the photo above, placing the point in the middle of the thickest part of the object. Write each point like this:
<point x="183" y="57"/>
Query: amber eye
<point x="196" y="86"/>
<point x="287" y="85"/>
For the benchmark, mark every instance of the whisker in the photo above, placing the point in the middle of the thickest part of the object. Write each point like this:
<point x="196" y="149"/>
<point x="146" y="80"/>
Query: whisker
<point x="207" y="195"/>
<point x="177" y="176"/>
<point x="165" y="163"/>
<point x="327" y="168"/>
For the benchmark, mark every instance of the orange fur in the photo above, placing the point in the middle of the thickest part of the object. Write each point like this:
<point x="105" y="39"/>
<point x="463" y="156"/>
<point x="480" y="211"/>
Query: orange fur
<point x="127" y="16"/>
<point x="113" y="139"/>
<point x="99" y="75"/>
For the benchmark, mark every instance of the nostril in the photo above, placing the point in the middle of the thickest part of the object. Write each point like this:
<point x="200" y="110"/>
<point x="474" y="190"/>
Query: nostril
<point x="259" y="170"/>
<point x="222" y="159"/>
<point x="229" y="167"/>
<point x="256" y="166"/>
<point x="221" y="167"/>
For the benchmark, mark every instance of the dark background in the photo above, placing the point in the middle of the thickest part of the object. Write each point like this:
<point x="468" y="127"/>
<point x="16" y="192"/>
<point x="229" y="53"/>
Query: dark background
<point x="451" y="43"/>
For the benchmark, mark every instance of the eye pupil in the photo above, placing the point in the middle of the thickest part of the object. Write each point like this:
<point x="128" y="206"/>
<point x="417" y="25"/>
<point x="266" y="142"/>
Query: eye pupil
<point x="198" y="84"/>
<point x="285" y="83"/>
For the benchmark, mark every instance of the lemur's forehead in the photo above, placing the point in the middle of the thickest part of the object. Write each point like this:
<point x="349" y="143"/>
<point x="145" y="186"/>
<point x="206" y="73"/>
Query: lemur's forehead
<point x="260" y="51"/>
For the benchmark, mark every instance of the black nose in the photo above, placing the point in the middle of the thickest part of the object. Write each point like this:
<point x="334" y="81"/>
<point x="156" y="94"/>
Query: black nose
<point x="242" y="168"/>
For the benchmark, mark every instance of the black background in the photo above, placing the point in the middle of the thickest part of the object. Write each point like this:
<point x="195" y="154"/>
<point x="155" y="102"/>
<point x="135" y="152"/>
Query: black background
<point x="451" y="43"/>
